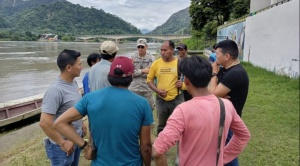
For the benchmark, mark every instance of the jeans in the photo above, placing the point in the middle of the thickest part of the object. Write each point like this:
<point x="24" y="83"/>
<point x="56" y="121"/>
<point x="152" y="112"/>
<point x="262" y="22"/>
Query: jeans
<point x="235" y="161"/>
<point x="58" y="157"/>
<point x="165" y="109"/>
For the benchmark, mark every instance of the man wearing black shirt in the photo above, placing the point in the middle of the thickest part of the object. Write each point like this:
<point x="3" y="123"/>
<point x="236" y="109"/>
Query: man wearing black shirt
<point x="230" y="80"/>
<point x="182" y="53"/>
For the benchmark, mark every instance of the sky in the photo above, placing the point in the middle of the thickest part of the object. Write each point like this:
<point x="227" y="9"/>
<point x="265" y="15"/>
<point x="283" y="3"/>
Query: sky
<point x="143" y="14"/>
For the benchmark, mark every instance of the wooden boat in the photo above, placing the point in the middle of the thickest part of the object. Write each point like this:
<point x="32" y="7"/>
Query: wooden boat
<point x="17" y="110"/>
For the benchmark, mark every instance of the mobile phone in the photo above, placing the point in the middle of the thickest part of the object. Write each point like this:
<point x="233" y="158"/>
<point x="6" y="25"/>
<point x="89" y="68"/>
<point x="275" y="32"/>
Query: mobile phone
<point x="212" y="59"/>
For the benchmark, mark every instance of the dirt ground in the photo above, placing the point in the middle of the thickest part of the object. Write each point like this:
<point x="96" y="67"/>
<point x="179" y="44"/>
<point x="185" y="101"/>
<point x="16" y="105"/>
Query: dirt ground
<point x="13" y="139"/>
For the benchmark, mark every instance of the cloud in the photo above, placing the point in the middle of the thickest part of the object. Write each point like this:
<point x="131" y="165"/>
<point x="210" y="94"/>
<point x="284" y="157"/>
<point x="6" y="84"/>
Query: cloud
<point x="144" y="14"/>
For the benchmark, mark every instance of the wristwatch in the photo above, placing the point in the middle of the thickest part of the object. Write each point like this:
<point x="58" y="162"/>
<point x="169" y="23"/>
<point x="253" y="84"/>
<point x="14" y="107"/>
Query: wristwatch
<point x="213" y="74"/>
<point x="83" y="146"/>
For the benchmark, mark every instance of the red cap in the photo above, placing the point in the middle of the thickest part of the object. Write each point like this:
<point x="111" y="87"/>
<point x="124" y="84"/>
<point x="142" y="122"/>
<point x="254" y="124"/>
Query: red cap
<point x="123" y="63"/>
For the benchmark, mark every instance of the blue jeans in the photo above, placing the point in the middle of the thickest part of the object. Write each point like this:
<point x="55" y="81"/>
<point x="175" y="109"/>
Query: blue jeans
<point x="58" y="157"/>
<point x="235" y="161"/>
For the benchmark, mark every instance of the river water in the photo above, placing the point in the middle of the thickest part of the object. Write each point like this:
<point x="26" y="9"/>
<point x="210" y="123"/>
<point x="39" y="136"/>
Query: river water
<point x="28" y="68"/>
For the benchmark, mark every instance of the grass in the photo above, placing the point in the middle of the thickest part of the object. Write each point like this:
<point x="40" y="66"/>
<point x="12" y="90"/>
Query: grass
<point x="271" y="114"/>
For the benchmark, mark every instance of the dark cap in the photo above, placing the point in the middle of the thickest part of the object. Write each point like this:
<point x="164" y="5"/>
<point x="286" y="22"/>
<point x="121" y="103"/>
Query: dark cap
<point x="182" y="46"/>
<point x="124" y="64"/>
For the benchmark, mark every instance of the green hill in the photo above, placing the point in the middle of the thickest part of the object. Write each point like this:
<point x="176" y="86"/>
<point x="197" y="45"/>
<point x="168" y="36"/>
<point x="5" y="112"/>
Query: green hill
<point x="60" y="16"/>
<point x="10" y="7"/>
<point x="178" y="23"/>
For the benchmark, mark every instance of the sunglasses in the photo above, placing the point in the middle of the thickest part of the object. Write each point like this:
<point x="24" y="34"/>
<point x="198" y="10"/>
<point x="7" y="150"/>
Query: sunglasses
<point x="141" y="47"/>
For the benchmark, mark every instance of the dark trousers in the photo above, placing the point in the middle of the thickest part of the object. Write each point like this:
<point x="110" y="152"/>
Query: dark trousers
<point x="187" y="96"/>
<point x="165" y="109"/>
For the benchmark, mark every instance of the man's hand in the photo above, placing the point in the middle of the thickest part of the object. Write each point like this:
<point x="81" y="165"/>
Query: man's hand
<point x="88" y="152"/>
<point x="162" y="93"/>
<point x="145" y="70"/>
<point x="84" y="130"/>
<point x="178" y="83"/>
<point x="215" y="67"/>
<point x="67" y="146"/>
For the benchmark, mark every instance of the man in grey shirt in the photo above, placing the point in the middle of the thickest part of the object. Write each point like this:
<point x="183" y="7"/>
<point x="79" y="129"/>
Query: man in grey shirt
<point x="62" y="94"/>
<point x="98" y="73"/>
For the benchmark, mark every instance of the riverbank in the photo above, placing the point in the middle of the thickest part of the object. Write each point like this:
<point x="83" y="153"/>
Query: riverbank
<point x="15" y="144"/>
<point x="24" y="147"/>
<point x="271" y="113"/>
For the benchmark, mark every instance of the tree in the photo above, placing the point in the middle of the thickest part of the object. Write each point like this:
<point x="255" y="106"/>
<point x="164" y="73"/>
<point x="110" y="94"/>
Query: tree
<point x="240" y="8"/>
<point x="204" y="11"/>
<point x="207" y="15"/>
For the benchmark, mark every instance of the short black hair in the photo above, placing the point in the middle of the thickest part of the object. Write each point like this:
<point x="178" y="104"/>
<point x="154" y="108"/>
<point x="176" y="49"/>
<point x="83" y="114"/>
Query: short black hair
<point x="171" y="43"/>
<point x="94" y="57"/>
<point x="197" y="69"/>
<point x="119" y="81"/>
<point x="108" y="56"/>
<point x="67" y="57"/>
<point x="214" y="46"/>
<point x="229" y="47"/>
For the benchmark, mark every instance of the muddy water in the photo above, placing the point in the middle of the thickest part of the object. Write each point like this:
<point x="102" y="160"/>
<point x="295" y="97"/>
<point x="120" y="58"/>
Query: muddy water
<point x="28" y="68"/>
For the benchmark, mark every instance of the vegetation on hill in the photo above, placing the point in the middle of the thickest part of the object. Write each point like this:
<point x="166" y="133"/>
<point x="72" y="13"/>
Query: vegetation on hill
<point x="58" y="17"/>
<point x="207" y="15"/>
<point x="178" y="23"/>
<point x="10" y="7"/>
<point x="65" y="17"/>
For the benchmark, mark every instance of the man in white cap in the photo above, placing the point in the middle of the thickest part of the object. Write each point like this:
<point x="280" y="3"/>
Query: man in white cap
<point x="98" y="73"/>
<point x="142" y="61"/>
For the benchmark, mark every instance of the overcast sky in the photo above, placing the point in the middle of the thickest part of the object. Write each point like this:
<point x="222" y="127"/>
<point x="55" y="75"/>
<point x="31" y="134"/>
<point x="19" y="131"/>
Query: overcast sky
<point x="143" y="14"/>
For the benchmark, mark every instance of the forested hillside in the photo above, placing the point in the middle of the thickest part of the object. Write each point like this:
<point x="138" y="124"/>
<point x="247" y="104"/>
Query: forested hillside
<point x="10" y="7"/>
<point x="178" y="23"/>
<point x="59" y="16"/>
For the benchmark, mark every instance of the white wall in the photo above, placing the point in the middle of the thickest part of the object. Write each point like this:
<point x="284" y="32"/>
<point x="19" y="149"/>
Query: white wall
<point x="272" y="39"/>
<point x="256" y="5"/>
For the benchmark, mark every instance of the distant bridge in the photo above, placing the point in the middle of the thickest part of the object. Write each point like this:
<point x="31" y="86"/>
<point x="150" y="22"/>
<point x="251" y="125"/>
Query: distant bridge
<point x="118" y="37"/>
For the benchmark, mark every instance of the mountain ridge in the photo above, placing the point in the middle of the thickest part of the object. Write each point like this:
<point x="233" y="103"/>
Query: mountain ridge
<point x="61" y="16"/>
<point x="178" y="23"/>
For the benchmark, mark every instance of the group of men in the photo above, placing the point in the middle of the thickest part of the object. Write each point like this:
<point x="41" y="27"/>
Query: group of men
<point x="120" y="103"/>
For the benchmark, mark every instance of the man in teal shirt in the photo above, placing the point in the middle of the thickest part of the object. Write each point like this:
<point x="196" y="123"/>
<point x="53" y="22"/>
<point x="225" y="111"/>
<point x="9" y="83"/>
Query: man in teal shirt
<point x="119" y="120"/>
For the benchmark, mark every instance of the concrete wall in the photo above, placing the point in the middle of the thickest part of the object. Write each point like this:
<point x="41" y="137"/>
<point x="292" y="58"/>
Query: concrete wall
<point x="272" y="39"/>
<point x="256" y="5"/>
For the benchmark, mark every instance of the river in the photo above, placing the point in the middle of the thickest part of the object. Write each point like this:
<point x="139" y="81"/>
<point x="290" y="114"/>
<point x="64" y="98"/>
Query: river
<point x="28" y="68"/>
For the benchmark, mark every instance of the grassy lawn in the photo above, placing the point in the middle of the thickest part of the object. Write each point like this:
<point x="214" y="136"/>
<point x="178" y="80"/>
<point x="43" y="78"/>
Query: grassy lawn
<point x="271" y="114"/>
